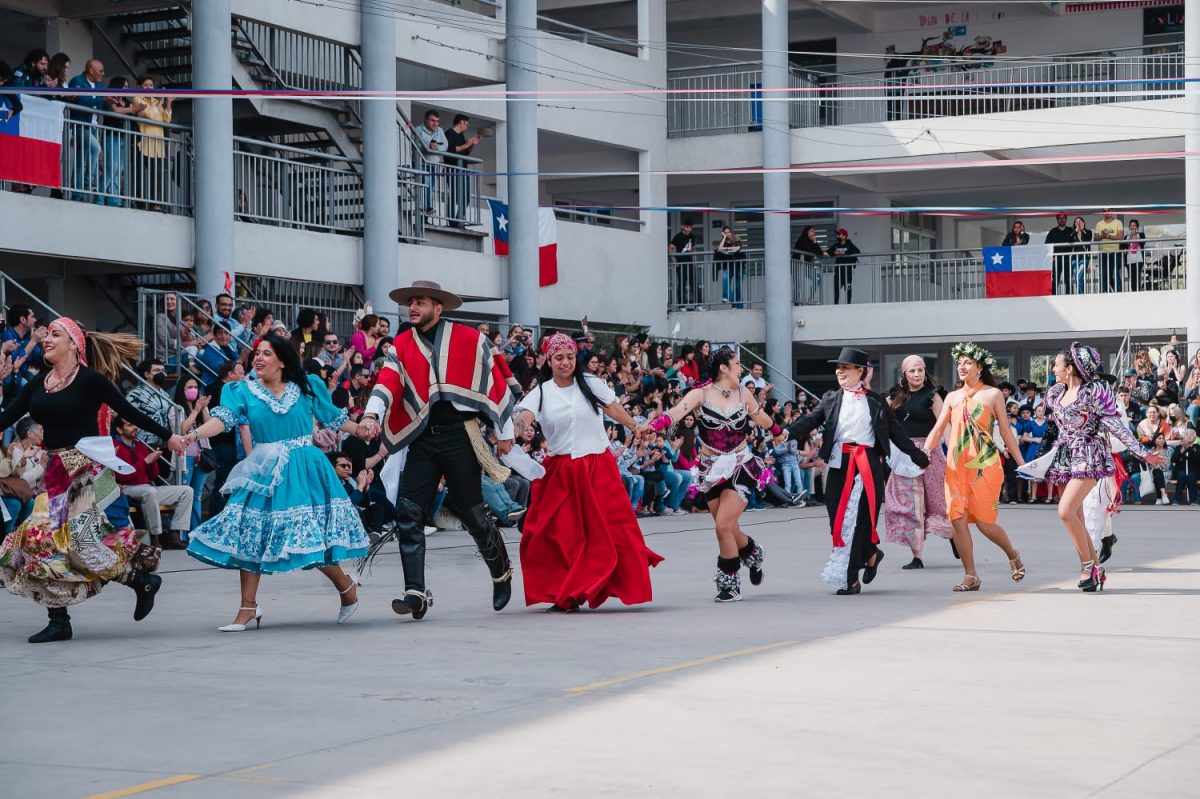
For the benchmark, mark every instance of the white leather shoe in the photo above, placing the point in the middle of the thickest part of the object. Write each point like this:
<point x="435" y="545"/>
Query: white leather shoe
<point x="346" y="611"/>
<point x="239" y="628"/>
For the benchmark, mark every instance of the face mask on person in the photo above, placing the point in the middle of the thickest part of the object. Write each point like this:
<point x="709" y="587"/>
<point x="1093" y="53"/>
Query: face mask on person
<point x="159" y="379"/>
<point x="190" y="394"/>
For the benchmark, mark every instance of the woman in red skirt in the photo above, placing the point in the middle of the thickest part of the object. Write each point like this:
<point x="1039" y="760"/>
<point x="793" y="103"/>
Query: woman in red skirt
<point x="581" y="541"/>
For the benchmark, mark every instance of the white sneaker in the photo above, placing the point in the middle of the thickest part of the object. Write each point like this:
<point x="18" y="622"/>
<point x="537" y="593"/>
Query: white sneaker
<point x="430" y="530"/>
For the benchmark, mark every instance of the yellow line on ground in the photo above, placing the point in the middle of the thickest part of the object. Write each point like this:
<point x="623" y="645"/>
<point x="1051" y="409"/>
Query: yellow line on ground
<point x="133" y="790"/>
<point x="687" y="664"/>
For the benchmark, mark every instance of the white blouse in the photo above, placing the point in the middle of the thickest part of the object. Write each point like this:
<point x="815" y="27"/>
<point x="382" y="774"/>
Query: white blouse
<point x="567" y="419"/>
<point x="853" y="426"/>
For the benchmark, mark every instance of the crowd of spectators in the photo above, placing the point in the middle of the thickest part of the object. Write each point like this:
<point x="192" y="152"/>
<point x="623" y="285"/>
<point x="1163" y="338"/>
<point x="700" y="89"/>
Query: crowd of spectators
<point x="200" y="348"/>
<point x="1159" y="395"/>
<point x="116" y="148"/>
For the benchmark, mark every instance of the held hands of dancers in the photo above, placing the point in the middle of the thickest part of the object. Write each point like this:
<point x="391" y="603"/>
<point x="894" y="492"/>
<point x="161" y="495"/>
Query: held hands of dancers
<point x="368" y="428"/>
<point x="179" y="444"/>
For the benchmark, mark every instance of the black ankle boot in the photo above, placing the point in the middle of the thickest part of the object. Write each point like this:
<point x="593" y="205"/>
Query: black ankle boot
<point x="59" y="628"/>
<point x="483" y="529"/>
<point x="146" y="585"/>
<point x="751" y="556"/>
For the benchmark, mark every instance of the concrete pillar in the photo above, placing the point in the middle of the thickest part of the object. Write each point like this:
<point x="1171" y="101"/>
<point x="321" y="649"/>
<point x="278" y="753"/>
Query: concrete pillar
<point x="1191" y="61"/>
<point x="521" y="133"/>
<point x="776" y="140"/>
<point x="73" y="37"/>
<point x="381" y="161"/>
<point x="212" y="131"/>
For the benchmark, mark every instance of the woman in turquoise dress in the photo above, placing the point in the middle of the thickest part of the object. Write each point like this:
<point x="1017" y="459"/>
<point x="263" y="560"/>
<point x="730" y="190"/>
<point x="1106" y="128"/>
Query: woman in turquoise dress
<point x="286" y="508"/>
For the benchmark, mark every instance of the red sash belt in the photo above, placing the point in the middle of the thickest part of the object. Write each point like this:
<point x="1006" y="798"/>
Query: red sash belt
<point x="855" y="461"/>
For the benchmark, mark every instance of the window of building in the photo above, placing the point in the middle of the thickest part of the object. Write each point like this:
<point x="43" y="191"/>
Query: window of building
<point x="913" y="232"/>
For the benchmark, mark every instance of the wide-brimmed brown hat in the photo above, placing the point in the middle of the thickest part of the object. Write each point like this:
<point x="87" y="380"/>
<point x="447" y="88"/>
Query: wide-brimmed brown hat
<point x="427" y="288"/>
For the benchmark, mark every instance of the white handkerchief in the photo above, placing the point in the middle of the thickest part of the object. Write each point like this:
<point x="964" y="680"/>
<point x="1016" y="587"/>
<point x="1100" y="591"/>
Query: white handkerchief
<point x="101" y="450"/>
<point x="903" y="465"/>
<point x="1036" y="469"/>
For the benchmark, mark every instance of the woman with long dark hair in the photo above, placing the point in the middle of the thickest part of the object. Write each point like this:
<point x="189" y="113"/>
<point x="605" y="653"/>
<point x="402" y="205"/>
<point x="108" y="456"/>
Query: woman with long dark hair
<point x="287" y="509"/>
<point x="66" y="551"/>
<point x="1080" y="405"/>
<point x="581" y="542"/>
<point x="915" y="506"/>
<point x="730" y="472"/>
<point x="974" y="470"/>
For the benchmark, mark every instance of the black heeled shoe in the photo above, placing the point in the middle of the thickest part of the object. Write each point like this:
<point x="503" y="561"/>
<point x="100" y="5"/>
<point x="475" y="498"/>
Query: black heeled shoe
<point x="854" y="589"/>
<point x="1095" y="580"/>
<point x="869" y="572"/>
<point x="1106" y="547"/>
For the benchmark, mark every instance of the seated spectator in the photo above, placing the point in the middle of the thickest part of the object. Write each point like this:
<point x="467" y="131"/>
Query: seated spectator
<point x="330" y="353"/>
<point x="1017" y="236"/>
<point x="1159" y="473"/>
<point x="303" y="337"/>
<point x="22" y="339"/>
<point x="626" y="457"/>
<point x="1032" y="399"/>
<point x="366" y="338"/>
<point x="366" y="493"/>
<point x="32" y="69"/>
<point x="29" y="456"/>
<point x="15" y="493"/>
<point x="349" y="393"/>
<point x="1153" y="425"/>
<point x="152" y="399"/>
<point x="1186" y="465"/>
<point x="506" y="510"/>
<point x="212" y="355"/>
<point x="141" y="487"/>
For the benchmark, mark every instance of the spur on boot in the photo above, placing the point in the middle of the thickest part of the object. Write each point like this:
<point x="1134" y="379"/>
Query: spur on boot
<point x="59" y="628"/>
<point x="414" y="603"/>
<point x="346" y="611"/>
<point x="241" y="628"/>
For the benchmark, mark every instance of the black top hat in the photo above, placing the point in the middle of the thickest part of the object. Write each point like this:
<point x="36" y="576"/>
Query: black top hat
<point x="851" y="356"/>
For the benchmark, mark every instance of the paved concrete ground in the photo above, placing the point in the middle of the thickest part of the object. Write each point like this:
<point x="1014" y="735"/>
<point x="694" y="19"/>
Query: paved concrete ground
<point x="1034" y="690"/>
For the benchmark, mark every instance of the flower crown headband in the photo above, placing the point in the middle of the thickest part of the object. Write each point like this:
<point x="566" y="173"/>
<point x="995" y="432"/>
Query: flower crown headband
<point x="975" y="352"/>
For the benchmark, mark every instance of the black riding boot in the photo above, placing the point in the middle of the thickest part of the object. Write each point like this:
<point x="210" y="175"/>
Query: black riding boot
<point x="59" y="628"/>
<point x="146" y="585"/>
<point x="410" y="535"/>
<point x="483" y="529"/>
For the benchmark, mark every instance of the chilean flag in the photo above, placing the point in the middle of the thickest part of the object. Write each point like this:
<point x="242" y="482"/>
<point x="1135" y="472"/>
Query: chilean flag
<point x="31" y="142"/>
<point x="1022" y="271"/>
<point x="547" y="239"/>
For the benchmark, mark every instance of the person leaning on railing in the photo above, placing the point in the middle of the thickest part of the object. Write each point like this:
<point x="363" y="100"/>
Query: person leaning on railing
<point x="1081" y="248"/>
<point x="153" y="165"/>
<point x="1134" y="249"/>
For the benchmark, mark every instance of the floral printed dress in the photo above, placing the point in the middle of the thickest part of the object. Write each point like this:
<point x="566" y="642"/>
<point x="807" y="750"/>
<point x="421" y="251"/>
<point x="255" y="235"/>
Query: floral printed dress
<point x="286" y="509"/>
<point x="974" y="470"/>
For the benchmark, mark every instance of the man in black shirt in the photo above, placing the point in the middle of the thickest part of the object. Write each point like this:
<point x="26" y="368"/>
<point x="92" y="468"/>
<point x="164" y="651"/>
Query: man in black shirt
<point x="458" y="142"/>
<point x="1060" y="235"/>
<point x="360" y="376"/>
<point x="680" y="250"/>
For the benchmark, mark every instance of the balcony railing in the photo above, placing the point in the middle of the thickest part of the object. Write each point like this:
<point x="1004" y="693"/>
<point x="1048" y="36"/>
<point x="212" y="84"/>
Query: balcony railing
<point x="728" y="99"/>
<point x="708" y="282"/>
<point x="116" y="159"/>
<point x="706" y="101"/>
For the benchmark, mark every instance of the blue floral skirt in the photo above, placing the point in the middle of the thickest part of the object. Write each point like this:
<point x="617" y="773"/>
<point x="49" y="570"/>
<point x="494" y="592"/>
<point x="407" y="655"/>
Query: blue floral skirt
<point x="304" y="522"/>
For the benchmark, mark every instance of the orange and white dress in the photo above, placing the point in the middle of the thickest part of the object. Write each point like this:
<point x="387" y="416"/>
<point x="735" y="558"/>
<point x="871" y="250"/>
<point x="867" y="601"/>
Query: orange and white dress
<point x="974" y="469"/>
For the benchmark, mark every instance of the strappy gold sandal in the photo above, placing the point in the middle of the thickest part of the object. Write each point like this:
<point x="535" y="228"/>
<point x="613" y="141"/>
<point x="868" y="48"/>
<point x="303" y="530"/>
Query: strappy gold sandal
<point x="970" y="582"/>
<point x="1017" y="568"/>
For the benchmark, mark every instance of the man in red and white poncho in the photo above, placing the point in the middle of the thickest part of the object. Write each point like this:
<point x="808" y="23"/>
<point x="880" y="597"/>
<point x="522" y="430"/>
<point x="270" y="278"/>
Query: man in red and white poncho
<point x="440" y="380"/>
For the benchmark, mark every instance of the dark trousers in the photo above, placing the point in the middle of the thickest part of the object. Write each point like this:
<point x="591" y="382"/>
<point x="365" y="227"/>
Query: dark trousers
<point x="226" y="455"/>
<point x="1111" y="268"/>
<point x="1185" y="487"/>
<point x="1016" y="488"/>
<point x="440" y="451"/>
<point x="861" y="548"/>
<point x="843" y="277"/>
<point x="377" y="515"/>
